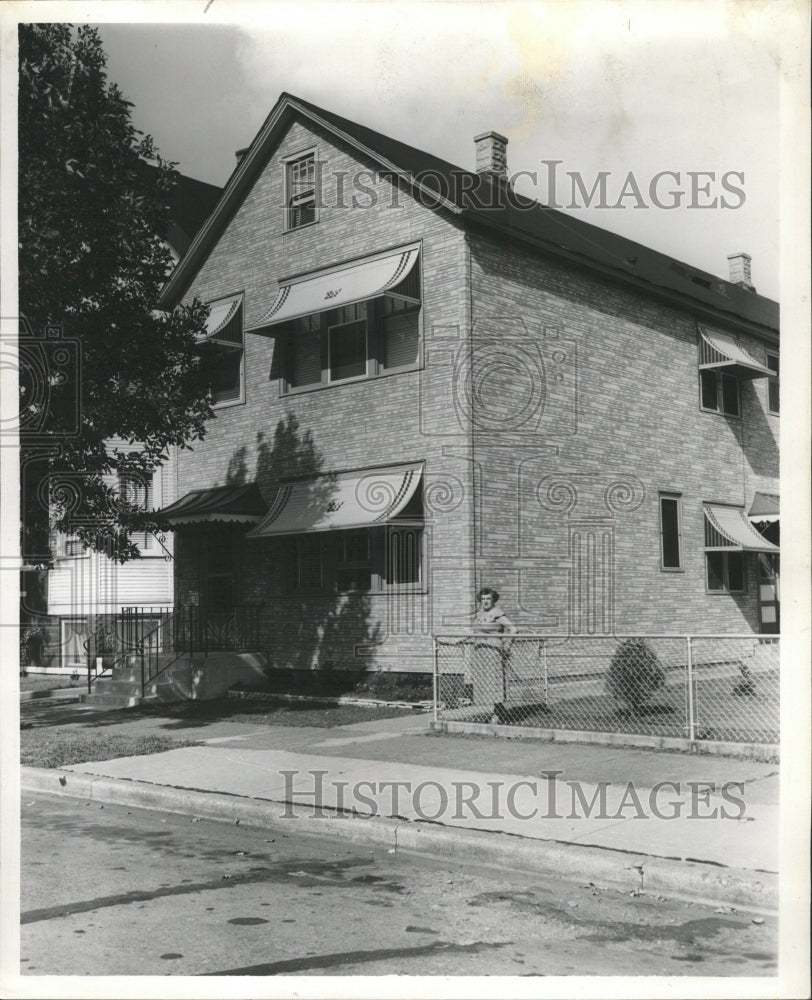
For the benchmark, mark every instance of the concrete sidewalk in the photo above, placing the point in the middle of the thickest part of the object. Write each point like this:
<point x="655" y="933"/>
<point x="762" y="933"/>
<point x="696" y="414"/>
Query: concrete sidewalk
<point x="584" y="809"/>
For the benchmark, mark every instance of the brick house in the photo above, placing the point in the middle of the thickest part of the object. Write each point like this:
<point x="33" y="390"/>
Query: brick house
<point x="428" y="383"/>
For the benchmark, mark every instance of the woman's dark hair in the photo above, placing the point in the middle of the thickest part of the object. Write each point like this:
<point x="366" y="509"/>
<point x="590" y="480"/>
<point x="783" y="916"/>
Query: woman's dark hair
<point x="488" y="590"/>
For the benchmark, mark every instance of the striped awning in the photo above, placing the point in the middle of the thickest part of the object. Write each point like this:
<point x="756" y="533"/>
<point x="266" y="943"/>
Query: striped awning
<point x="242" y="504"/>
<point x="727" y="529"/>
<point x="342" y="286"/>
<point x="721" y="352"/>
<point x="765" y="508"/>
<point x="361" y="499"/>
<point x="222" y="326"/>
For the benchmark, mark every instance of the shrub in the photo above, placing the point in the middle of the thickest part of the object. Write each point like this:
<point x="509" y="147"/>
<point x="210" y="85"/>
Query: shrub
<point x="32" y="642"/>
<point x="635" y="673"/>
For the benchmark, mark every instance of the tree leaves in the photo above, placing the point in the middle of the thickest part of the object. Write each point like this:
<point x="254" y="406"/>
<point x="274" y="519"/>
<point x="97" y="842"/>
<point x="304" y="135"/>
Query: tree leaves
<point x="93" y="207"/>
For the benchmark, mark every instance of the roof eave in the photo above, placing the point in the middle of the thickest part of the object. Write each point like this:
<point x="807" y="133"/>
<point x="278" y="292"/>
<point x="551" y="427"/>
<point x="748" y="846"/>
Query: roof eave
<point x="244" y="175"/>
<point x="700" y="309"/>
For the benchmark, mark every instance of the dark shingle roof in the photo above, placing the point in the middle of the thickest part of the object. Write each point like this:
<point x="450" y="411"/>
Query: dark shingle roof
<point x="483" y="201"/>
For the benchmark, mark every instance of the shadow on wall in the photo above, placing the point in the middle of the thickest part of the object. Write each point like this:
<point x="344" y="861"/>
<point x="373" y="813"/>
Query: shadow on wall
<point x="758" y="437"/>
<point x="306" y="624"/>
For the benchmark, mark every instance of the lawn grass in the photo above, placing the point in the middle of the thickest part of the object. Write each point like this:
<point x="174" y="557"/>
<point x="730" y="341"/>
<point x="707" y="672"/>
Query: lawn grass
<point x="49" y="682"/>
<point x="45" y="746"/>
<point x="269" y="713"/>
<point x="720" y="713"/>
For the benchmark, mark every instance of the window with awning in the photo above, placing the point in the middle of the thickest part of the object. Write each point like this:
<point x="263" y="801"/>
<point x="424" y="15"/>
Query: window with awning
<point x="728" y="529"/>
<point x="361" y="499"/>
<point x="357" y="531"/>
<point x="354" y="322"/>
<point x="719" y="352"/>
<point x="222" y="349"/>
<point x="390" y="274"/>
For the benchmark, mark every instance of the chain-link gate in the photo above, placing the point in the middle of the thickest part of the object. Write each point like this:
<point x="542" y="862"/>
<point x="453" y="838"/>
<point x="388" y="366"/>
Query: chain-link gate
<point x="696" y="687"/>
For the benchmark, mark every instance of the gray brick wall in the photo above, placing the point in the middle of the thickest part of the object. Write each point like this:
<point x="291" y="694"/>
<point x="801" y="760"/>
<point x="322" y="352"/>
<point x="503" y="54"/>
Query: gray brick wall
<point x="394" y="419"/>
<point x="627" y="368"/>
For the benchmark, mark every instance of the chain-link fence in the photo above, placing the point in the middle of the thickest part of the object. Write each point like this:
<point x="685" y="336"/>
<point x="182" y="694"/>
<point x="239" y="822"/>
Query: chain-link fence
<point x="696" y="687"/>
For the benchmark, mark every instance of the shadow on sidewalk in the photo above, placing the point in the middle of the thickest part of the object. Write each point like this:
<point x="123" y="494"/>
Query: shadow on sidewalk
<point x="198" y="714"/>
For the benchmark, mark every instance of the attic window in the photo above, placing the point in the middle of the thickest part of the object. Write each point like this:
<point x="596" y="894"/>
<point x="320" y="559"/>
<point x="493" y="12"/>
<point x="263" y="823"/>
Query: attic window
<point x="300" y="186"/>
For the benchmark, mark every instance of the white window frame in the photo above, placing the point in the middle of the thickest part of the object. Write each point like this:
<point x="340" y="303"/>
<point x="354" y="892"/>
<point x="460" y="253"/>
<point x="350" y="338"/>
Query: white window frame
<point x="289" y="163"/>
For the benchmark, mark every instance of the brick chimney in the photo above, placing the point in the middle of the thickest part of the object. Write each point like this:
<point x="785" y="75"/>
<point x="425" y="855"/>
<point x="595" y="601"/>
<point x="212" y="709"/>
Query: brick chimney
<point x="491" y="154"/>
<point x="739" y="266"/>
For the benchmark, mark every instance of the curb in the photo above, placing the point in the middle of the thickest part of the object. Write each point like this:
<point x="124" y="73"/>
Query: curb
<point x="628" y="872"/>
<point x="767" y="752"/>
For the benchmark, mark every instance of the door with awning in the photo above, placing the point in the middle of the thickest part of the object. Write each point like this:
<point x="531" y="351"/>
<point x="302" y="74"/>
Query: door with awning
<point x="729" y="535"/>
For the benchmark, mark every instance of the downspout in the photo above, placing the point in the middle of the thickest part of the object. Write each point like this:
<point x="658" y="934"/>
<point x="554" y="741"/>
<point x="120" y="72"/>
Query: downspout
<point x="469" y="322"/>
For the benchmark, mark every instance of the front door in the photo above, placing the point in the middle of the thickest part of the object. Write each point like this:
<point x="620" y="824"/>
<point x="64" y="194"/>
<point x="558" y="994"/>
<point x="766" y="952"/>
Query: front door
<point x="768" y="592"/>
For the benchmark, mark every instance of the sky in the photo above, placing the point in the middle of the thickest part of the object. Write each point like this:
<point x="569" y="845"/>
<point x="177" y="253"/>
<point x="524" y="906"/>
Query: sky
<point x="690" y="86"/>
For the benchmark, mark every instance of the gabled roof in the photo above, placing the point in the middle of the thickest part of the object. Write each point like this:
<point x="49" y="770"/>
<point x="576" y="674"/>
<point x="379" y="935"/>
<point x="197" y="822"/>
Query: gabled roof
<point x="191" y="202"/>
<point x="481" y="200"/>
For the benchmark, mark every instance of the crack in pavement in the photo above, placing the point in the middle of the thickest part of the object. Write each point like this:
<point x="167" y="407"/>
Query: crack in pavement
<point x="308" y="962"/>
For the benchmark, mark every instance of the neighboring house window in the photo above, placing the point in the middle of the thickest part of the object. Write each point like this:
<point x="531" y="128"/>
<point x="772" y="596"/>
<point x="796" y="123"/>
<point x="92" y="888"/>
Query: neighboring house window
<point x="74" y="547"/>
<point x="139" y="490"/>
<point x="223" y="351"/>
<point x="670" y="532"/>
<point x="67" y="546"/>
<point x="368" y="560"/>
<point x="725" y="572"/>
<point x="301" y="191"/>
<point x="364" y="340"/>
<point x="773" y="401"/>
<point x="719" y="392"/>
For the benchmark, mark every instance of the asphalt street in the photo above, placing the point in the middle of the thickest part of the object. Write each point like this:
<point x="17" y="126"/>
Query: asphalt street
<point x="110" y="890"/>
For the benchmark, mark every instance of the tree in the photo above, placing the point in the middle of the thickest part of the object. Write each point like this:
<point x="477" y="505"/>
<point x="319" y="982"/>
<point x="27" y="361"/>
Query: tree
<point x="93" y="204"/>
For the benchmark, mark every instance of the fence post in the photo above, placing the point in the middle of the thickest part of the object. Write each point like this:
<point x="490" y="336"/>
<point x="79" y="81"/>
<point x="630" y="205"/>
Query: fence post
<point x="544" y="670"/>
<point x="691" y="706"/>
<point x="435" y="685"/>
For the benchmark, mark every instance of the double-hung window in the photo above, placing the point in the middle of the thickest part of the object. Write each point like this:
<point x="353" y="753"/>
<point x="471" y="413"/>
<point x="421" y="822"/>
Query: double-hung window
<point x="725" y="572"/>
<point x="720" y="392"/>
<point x="139" y="491"/>
<point x="347" y="343"/>
<point x="300" y="184"/>
<point x="366" y="339"/>
<point x="222" y="351"/>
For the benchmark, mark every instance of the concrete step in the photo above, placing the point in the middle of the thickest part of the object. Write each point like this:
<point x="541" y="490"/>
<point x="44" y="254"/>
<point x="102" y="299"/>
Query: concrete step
<point x="111" y="700"/>
<point x="116" y="685"/>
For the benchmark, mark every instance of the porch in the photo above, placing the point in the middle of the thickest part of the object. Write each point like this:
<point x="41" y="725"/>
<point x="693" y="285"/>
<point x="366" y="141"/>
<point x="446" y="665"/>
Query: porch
<point x="151" y="654"/>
